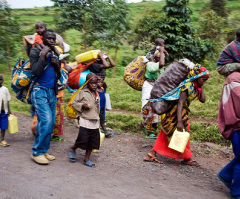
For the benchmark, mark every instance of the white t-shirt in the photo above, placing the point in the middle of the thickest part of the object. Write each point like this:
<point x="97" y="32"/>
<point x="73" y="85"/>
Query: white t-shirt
<point x="4" y="98"/>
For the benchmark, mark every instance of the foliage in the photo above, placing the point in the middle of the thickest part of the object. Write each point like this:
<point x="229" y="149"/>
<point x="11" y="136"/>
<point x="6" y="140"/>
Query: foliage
<point x="110" y="24"/>
<point x="9" y="33"/>
<point x="219" y="7"/>
<point x="178" y="35"/>
<point x="106" y="22"/>
<point x="178" y="9"/>
<point x="210" y="25"/>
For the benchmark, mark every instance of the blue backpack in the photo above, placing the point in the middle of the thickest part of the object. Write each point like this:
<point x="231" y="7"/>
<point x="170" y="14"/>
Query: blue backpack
<point x="23" y="80"/>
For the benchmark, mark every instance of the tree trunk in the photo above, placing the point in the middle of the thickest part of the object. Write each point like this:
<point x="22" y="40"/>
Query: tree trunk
<point x="115" y="60"/>
<point x="84" y="33"/>
<point x="8" y="57"/>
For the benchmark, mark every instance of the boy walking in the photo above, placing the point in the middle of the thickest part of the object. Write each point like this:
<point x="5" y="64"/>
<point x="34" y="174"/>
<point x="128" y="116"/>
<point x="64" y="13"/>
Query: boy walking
<point x="5" y="111"/>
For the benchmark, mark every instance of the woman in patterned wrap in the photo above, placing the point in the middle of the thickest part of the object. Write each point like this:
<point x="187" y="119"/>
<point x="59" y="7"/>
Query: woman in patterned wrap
<point x="177" y="117"/>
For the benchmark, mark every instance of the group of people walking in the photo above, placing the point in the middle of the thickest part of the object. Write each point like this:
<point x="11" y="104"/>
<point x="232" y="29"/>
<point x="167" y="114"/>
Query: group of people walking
<point x="46" y="62"/>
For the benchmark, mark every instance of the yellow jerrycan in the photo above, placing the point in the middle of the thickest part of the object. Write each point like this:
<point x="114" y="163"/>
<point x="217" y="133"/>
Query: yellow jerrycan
<point x="87" y="56"/>
<point x="102" y="136"/>
<point x="179" y="141"/>
<point x="12" y="124"/>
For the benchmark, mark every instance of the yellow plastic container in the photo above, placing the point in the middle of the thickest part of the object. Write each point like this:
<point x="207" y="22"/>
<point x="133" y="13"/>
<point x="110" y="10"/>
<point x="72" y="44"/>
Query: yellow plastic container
<point x="102" y="136"/>
<point x="12" y="124"/>
<point x="87" y="56"/>
<point x="179" y="141"/>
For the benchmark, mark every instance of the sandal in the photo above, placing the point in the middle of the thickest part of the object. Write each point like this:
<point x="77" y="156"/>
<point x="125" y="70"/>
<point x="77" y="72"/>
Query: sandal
<point x="151" y="136"/>
<point x="57" y="139"/>
<point x="72" y="156"/>
<point x="191" y="163"/>
<point x="4" y="143"/>
<point x="151" y="156"/>
<point x="89" y="164"/>
<point x="154" y="159"/>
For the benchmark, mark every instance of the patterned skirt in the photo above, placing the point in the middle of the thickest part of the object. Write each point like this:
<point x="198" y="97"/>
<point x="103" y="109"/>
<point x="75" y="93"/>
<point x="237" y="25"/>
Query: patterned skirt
<point x="58" y="127"/>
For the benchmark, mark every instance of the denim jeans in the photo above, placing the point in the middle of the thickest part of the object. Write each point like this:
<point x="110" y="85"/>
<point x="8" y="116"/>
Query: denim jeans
<point x="231" y="172"/>
<point x="44" y="101"/>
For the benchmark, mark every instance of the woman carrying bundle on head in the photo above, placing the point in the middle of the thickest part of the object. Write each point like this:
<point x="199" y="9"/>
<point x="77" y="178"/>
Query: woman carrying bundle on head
<point x="176" y="117"/>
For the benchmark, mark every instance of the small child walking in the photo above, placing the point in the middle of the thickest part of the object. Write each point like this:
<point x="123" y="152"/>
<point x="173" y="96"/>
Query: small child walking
<point x="5" y="111"/>
<point x="101" y="92"/>
<point x="38" y="43"/>
<point x="87" y="104"/>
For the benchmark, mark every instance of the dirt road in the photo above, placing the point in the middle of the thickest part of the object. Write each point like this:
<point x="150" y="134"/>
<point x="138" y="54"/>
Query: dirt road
<point x="120" y="172"/>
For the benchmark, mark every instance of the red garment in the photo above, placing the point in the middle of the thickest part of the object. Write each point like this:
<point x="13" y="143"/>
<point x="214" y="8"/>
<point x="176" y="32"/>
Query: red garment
<point x="38" y="39"/>
<point x="229" y="107"/>
<point x="161" y="147"/>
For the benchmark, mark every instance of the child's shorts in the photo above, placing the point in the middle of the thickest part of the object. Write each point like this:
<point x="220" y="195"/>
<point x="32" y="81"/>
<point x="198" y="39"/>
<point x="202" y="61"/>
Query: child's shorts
<point x="88" y="139"/>
<point x="3" y="121"/>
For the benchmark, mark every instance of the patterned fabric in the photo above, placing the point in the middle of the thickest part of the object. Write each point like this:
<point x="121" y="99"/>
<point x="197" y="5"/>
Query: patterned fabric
<point x="134" y="73"/>
<point x="76" y="79"/>
<point x="230" y="54"/>
<point x="28" y="41"/>
<point x="23" y="79"/>
<point x="58" y="127"/>
<point x="175" y="93"/>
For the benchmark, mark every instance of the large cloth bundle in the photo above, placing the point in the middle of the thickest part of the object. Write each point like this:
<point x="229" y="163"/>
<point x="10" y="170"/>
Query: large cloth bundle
<point x="169" y="80"/>
<point x="134" y="73"/>
<point x="29" y="39"/>
<point x="23" y="80"/>
<point x="78" y="76"/>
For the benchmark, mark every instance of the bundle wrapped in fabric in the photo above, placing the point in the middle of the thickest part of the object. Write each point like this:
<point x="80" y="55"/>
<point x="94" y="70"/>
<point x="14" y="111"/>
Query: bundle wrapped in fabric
<point x="175" y="73"/>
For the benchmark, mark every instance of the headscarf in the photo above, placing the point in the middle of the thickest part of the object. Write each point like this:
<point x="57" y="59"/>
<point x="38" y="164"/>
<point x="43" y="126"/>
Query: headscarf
<point x="195" y="71"/>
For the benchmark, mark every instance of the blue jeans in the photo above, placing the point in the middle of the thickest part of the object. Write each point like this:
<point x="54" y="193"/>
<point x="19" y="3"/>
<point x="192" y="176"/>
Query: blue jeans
<point x="231" y="172"/>
<point x="44" y="101"/>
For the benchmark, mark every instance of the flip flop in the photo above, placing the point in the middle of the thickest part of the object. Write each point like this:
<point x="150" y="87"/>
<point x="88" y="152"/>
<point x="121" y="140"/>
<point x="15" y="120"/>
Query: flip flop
<point x="151" y="136"/>
<point x="57" y="139"/>
<point x="227" y="184"/>
<point x="191" y="163"/>
<point x="154" y="159"/>
<point x="72" y="156"/>
<point x="89" y="164"/>
<point x="4" y="143"/>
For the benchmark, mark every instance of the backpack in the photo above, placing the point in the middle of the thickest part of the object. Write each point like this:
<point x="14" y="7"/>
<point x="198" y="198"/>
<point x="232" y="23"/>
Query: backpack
<point x="22" y="80"/>
<point x="134" y="73"/>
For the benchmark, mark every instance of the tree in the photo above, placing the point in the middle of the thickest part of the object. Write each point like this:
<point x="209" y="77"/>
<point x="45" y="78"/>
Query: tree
<point x="177" y="31"/>
<point x="219" y="7"/>
<point x="103" y="22"/>
<point x="112" y="27"/>
<point x="74" y="15"/>
<point x="9" y="33"/>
